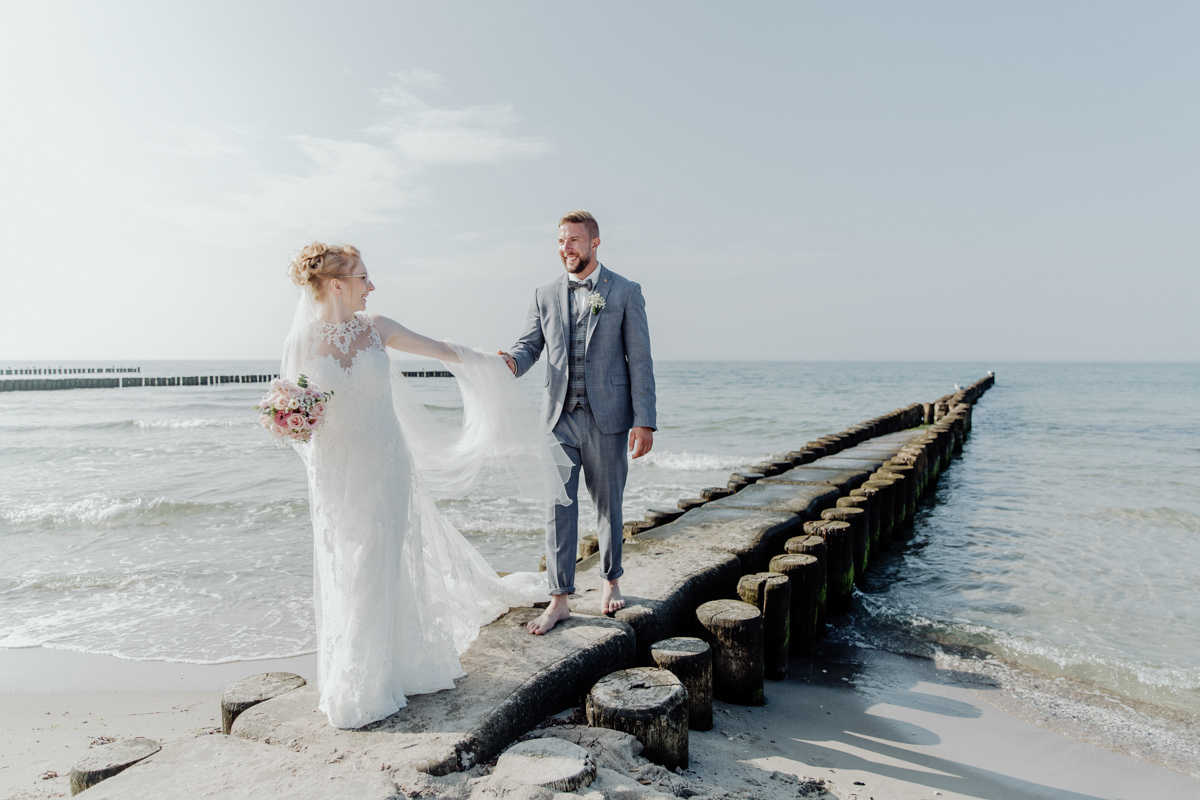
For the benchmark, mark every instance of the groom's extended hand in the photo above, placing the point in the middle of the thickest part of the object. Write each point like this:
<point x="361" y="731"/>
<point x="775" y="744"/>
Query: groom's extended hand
<point x="640" y="441"/>
<point x="512" y="363"/>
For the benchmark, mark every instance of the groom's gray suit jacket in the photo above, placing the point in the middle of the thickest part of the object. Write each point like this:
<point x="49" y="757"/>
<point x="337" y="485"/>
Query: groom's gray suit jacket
<point x="618" y="369"/>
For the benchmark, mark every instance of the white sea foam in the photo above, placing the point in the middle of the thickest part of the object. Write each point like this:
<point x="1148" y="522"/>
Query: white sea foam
<point x="184" y="424"/>
<point x="697" y="462"/>
<point x="89" y="511"/>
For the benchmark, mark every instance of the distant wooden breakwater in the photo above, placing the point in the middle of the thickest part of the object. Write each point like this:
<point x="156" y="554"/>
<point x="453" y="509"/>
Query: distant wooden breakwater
<point x="47" y="384"/>
<point x="722" y="591"/>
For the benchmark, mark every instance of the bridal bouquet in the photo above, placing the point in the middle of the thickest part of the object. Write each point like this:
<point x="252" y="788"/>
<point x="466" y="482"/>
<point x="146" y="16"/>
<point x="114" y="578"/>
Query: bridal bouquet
<point x="293" y="410"/>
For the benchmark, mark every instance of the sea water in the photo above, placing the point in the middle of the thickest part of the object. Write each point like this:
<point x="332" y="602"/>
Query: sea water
<point x="163" y="523"/>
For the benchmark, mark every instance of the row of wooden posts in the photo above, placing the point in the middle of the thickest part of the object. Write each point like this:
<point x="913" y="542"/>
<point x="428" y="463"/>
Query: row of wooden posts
<point x="48" y="384"/>
<point x="781" y="612"/>
<point x="66" y="370"/>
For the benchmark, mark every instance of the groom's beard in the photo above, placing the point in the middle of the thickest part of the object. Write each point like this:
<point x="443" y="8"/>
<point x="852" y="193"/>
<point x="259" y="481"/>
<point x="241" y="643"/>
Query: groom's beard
<point x="584" y="263"/>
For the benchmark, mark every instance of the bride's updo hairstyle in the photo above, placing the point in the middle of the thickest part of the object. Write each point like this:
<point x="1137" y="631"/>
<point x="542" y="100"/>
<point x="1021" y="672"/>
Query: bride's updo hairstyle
<point x="317" y="263"/>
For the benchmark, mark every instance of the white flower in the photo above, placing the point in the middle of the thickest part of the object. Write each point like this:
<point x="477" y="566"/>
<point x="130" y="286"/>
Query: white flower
<point x="596" y="301"/>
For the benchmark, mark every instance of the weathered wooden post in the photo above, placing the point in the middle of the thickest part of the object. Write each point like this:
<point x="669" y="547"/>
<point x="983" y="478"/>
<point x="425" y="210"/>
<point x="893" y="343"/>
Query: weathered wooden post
<point x="688" y="503"/>
<point x="661" y="516"/>
<point x="254" y="690"/>
<point x="800" y="457"/>
<point x="805" y="574"/>
<point x="888" y="507"/>
<point x="108" y="760"/>
<point x="740" y="480"/>
<point x="714" y="493"/>
<point x="860" y="532"/>
<point x="588" y="545"/>
<point x="814" y="545"/>
<point x="771" y="594"/>
<point x="549" y="762"/>
<point x="635" y="528"/>
<point x="690" y="659"/>
<point x="648" y="703"/>
<point x="734" y="630"/>
<point x="907" y="477"/>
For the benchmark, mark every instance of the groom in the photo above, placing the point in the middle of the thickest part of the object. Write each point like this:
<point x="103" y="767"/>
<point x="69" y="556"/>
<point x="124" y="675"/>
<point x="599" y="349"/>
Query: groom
<point x="599" y="400"/>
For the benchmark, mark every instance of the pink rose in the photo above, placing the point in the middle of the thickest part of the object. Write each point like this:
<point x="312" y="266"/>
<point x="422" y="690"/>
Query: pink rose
<point x="296" y="422"/>
<point x="278" y="429"/>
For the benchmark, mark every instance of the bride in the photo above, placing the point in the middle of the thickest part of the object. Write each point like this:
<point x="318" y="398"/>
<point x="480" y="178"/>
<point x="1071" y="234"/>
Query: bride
<point x="399" y="593"/>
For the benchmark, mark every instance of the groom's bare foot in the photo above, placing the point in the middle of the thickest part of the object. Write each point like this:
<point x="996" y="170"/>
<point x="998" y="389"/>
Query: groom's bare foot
<point x="554" y="614"/>
<point x="611" y="600"/>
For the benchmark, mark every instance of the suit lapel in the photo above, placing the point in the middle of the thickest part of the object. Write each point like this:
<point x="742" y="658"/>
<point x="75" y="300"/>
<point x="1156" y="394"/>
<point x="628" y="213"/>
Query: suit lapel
<point x="564" y="312"/>
<point x="603" y="283"/>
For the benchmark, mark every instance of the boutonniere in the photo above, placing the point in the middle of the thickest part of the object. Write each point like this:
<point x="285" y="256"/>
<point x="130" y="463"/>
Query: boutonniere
<point x="596" y="301"/>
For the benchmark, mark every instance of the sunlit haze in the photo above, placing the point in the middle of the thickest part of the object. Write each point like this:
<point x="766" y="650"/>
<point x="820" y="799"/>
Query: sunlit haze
<point x="879" y="181"/>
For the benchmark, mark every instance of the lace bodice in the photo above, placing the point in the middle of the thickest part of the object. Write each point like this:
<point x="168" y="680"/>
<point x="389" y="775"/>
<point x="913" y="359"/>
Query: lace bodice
<point x="357" y="334"/>
<point x="351" y="361"/>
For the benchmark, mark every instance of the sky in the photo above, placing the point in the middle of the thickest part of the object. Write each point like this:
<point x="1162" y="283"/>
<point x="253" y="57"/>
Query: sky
<point x="787" y="181"/>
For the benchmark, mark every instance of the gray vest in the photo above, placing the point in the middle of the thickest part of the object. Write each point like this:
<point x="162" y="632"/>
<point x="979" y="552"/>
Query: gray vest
<point x="576" y="382"/>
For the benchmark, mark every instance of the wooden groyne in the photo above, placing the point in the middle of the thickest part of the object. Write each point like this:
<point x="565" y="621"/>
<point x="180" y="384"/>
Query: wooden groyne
<point x="49" y="384"/>
<point x="734" y="579"/>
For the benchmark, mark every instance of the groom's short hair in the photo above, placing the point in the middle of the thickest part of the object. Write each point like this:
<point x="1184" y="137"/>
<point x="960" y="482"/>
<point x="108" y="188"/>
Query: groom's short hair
<point x="579" y="215"/>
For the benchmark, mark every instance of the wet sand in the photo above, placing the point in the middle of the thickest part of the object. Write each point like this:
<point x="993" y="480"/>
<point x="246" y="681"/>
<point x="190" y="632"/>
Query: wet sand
<point x="869" y="724"/>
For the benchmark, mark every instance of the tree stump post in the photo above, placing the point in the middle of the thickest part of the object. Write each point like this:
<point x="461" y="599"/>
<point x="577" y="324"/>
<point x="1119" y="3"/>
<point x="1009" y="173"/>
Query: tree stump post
<point x="550" y="763"/>
<point x="740" y="480"/>
<point x="873" y="507"/>
<point x="887" y="509"/>
<point x="804" y="572"/>
<point x="648" y="703"/>
<point x="771" y="594"/>
<point x="813" y="544"/>
<point x="588" y="545"/>
<point x="661" y="516"/>
<point x="870" y="537"/>
<point x="860" y="537"/>
<point x="907" y="475"/>
<point x="839" y="562"/>
<point x="690" y="659"/>
<point x="799" y="457"/>
<point x="253" y="690"/>
<point x="108" y="760"/>
<point x="734" y="630"/>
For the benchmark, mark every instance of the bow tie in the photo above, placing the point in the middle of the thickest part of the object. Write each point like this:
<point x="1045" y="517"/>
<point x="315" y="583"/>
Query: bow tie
<point x="573" y="285"/>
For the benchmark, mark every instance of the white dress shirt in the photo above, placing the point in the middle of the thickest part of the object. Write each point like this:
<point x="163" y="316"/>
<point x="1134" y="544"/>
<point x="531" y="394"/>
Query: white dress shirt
<point x="580" y="300"/>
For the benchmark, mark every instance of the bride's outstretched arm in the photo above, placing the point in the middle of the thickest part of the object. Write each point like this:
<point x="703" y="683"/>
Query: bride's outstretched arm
<point x="398" y="337"/>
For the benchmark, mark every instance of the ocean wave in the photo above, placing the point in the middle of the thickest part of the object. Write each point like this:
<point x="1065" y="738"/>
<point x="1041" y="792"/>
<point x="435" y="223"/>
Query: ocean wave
<point x="1168" y="517"/>
<point x="308" y="649"/>
<point x="110" y="511"/>
<point x="90" y="510"/>
<point x="184" y="424"/>
<point x="697" y="462"/>
<point x="904" y="630"/>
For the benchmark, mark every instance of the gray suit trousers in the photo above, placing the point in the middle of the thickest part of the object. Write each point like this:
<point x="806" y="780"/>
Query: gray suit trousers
<point x="605" y="467"/>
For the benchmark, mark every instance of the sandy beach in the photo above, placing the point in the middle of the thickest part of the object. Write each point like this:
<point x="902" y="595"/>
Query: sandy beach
<point x="874" y="725"/>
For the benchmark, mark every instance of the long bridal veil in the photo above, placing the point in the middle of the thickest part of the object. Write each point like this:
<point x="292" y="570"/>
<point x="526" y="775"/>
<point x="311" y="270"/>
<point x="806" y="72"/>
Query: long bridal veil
<point x="501" y="435"/>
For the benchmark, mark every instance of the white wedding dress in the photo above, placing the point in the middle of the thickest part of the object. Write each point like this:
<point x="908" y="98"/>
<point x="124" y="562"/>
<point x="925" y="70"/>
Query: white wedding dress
<point x="399" y="593"/>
